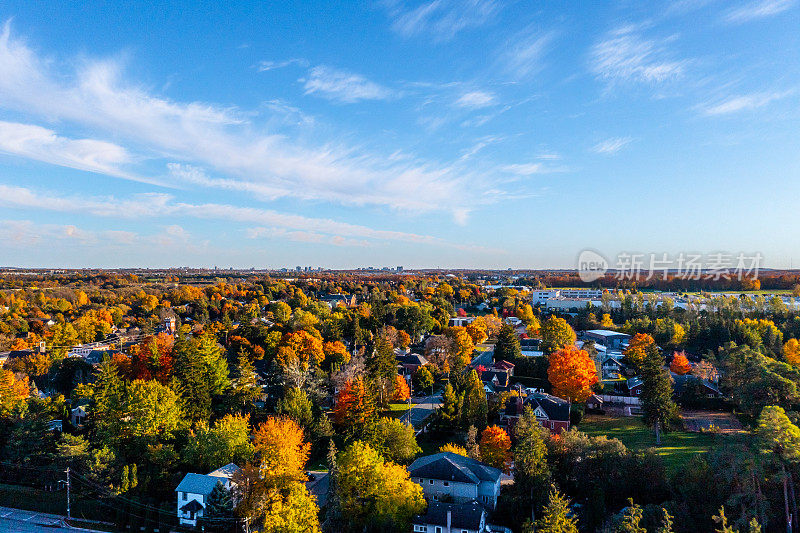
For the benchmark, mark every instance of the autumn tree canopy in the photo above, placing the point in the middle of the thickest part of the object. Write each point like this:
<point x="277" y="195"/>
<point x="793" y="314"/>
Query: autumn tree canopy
<point x="572" y="373"/>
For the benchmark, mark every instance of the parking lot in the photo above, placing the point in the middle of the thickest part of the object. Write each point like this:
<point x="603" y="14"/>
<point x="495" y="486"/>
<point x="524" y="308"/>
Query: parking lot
<point x="17" y="521"/>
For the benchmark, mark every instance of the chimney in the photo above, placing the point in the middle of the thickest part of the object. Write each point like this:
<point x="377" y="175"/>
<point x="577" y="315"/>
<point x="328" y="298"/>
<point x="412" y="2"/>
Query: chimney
<point x="449" y="520"/>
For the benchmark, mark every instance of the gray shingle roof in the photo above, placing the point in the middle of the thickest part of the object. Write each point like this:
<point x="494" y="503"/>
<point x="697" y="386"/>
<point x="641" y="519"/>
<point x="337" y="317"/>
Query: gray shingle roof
<point x="226" y="471"/>
<point x="197" y="484"/>
<point x="450" y="466"/>
<point x="462" y="515"/>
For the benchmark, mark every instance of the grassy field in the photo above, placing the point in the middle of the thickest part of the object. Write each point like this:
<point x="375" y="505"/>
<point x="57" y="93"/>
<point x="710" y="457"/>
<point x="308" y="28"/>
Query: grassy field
<point x="676" y="448"/>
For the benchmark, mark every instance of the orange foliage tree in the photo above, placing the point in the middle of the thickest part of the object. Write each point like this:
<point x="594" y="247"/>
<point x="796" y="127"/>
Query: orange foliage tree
<point x="152" y="358"/>
<point x="791" y="352"/>
<point x="304" y="348"/>
<point x="572" y="373"/>
<point x="355" y="408"/>
<point x="680" y="364"/>
<point x="637" y="348"/>
<point x="495" y="447"/>
<point x="402" y="392"/>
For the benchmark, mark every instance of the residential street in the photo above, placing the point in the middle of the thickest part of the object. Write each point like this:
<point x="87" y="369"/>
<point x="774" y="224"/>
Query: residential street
<point x="422" y="408"/>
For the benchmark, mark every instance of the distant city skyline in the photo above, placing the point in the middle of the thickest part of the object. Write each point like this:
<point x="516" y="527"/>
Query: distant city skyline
<point x="477" y="134"/>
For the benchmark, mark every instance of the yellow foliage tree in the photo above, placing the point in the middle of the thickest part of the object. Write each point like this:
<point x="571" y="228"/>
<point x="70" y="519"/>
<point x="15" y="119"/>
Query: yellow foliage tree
<point x="791" y="352"/>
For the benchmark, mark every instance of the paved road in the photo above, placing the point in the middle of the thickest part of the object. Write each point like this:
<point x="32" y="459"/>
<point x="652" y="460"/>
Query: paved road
<point x="319" y="487"/>
<point x="422" y="408"/>
<point x="17" y="521"/>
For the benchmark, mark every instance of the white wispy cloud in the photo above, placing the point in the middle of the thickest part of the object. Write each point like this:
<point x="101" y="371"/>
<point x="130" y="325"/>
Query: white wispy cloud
<point x="265" y="66"/>
<point x="42" y="144"/>
<point x="304" y="236"/>
<point x="757" y="10"/>
<point x="342" y="86"/>
<point x="441" y="20"/>
<point x="475" y="99"/>
<point x="529" y="169"/>
<point x="152" y="206"/>
<point x="744" y="102"/>
<point x="523" y="54"/>
<point x="229" y="142"/>
<point x="611" y="146"/>
<point x="625" y="55"/>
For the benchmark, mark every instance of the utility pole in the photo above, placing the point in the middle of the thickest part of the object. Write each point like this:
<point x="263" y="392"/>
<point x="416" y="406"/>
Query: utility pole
<point x="69" y="516"/>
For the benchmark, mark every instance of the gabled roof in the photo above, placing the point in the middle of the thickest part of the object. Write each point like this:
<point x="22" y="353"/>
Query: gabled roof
<point x="634" y="382"/>
<point x="491" y="375"/>
<point x="450" y="466"/>
<point x="226" y="471"/>
<point x="555" y="408"/>
<point x="462" y="515"/>
<point x="412" y="359"/>
<point x="502" y="364"/>
<point x="193" y="506"/>
<point x="197" y="484"/>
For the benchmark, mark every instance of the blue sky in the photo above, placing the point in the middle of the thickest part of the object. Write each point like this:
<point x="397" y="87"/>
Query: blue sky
<point x="451" y="133"/>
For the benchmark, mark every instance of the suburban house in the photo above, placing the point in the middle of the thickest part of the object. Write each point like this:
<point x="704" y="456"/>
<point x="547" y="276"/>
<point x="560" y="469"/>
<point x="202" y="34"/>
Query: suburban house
<point x="78" y="415"/>
<point x="550" y="411"/>
<point x="451" y="518"/>
<point x="634" y="385"/>
<point x="612" y="367"/>
<point x="460" y="321"/>
<point x="705" y="387"/>
<point x="194" y="490"/>
<point x="409" y="363"/>
<point x="449" y="477"/>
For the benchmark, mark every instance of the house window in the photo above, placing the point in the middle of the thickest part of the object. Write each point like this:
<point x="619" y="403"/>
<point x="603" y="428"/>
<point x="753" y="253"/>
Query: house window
<point x="183" y="496"/>
<point x="420" y="528"/>
<point x="430" y="481"/>
<point x="446" y="483"/>
<point x="438" y="529"/>
<point x="552" y="425"/>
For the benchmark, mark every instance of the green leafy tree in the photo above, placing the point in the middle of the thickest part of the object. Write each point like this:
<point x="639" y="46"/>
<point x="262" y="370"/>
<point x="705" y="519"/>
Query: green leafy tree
<point x="296" y="405"/>
<point x="530" y="456"/>
<point x="556" y="516"/>
<point x="226" y="441"/>
<point x="395" y="440"/>
<point x="374" y="493"/>
<point x="423" y="380"/>
<point x="556" y="334"/>
<point x="475" y="410"/>
<point x="244" y="384"/>
<point x="629" y="520"/>
<point x="218" y="515"/>
<point x="450" y="411"/>
<point x="154" y="410"/>
<point x="780" y="437"/>
<point x="657" y="405"/>
<point x="507" y="346"/>
<point x="108" y="394"/>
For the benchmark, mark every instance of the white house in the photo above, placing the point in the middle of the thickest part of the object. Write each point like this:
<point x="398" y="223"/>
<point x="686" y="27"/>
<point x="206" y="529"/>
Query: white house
<point x="194" y="490"/>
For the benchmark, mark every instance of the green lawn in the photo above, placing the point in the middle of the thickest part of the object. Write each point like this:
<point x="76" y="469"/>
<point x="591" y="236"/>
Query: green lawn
<point x="396" y="410"/>
<point x="676" y="448"/>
